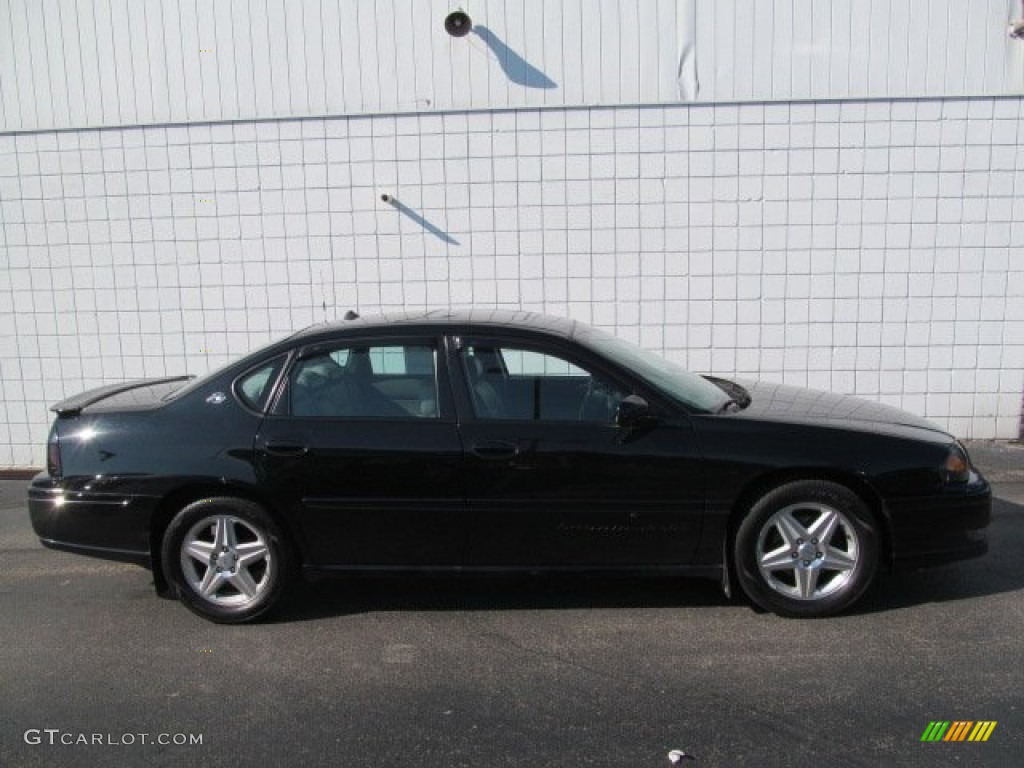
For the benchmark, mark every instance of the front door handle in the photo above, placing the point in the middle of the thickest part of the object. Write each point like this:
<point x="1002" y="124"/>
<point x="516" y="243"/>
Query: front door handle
<point x="495" y="450"/>
<point x="281" y="448"/>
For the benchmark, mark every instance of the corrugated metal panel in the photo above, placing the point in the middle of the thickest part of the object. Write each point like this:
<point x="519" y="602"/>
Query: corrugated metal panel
<point x="82" y="63"/>
<point x="834" y="49"/>
<point x="68" y="64"/>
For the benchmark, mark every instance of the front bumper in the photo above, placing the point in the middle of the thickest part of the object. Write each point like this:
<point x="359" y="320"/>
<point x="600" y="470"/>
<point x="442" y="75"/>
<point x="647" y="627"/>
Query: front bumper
<point x="941" y="528"/>
<point x="112" y="526"/>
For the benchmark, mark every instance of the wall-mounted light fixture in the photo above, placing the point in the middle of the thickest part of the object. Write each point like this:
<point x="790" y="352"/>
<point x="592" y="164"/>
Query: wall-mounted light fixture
<point x="458" y="24"/>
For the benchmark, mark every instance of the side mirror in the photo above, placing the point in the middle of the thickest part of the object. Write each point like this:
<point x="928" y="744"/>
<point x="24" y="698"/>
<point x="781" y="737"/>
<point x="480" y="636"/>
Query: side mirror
<point x="633" y="412"/>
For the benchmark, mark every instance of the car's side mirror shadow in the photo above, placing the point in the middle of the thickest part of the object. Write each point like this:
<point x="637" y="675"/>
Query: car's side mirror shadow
<point x="633" y="412"/>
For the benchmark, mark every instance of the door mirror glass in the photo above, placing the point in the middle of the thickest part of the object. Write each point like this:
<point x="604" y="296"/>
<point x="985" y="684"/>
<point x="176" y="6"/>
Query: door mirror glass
<point x="632" y="412"/>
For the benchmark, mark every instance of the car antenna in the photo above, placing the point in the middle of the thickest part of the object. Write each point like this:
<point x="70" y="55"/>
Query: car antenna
<point x="351" y="315"/>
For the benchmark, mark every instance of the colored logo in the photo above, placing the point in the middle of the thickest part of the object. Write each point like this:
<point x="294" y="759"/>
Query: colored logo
<point x="958" y="730"/>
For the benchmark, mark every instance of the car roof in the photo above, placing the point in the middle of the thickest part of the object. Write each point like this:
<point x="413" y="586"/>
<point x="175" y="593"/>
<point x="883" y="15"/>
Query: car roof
<point x="466" y="320"/>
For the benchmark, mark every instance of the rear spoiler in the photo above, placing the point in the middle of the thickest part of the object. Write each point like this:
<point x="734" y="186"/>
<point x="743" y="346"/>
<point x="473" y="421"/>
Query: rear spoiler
<point x="74" y="405"/>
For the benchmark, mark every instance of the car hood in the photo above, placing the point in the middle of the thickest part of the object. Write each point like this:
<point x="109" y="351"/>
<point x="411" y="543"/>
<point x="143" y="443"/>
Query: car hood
<point x="795" y="405"/>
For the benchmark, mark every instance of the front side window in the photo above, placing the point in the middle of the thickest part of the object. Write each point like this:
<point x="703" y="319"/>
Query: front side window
<point x="384" y="381"/>
<point x="507" y="382"/>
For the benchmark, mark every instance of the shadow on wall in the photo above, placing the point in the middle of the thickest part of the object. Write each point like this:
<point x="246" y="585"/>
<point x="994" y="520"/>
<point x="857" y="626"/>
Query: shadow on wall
<point x="515" y="67"/>
<point x="428" y="226"/>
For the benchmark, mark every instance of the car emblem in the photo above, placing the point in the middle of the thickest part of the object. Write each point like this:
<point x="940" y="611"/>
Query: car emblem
<point x="216" y="398"/>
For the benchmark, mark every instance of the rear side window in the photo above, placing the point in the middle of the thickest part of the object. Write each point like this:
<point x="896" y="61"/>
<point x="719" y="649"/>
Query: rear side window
<point x="254" y="388"/>
<point x="380" y="381"/>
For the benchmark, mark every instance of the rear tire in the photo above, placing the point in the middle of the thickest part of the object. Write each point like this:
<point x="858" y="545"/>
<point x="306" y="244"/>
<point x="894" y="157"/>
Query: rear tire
<point x="226" y="559"/>
<point x="807" y="549"/>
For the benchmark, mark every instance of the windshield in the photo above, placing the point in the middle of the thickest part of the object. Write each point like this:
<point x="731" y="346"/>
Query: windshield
<point x="667" y="377"/>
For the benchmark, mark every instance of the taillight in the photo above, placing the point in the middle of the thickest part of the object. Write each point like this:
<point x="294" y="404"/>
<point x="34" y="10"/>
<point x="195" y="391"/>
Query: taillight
<point x="53" y="456"/>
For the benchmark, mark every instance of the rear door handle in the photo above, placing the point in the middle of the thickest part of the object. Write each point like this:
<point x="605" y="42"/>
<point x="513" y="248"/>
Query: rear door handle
<point x="495" y="450"/>
<point x="281" y="448"/>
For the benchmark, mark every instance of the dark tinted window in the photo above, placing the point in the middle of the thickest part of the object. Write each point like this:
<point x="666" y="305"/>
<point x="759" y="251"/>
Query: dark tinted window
<point x="384" y="381"/>
<point x="526" y="385"/>
<point x="255" y="387"/>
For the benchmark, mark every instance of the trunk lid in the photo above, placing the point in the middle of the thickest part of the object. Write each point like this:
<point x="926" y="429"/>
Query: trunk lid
<point x="137" y="395"/>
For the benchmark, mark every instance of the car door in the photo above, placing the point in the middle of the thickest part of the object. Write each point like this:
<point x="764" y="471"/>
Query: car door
<point x="362" y="450"/>
<point x="551" y="480"/>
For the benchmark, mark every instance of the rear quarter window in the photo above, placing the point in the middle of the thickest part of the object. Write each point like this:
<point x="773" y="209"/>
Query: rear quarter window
<point x="255" y="387"/>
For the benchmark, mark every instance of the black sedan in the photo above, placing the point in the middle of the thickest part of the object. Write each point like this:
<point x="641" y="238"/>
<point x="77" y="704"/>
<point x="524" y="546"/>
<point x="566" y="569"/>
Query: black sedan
<point x="483" y="441"/>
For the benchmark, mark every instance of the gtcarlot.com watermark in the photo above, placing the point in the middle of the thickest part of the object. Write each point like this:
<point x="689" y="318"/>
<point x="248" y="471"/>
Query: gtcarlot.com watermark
<point x="56" y="737"/>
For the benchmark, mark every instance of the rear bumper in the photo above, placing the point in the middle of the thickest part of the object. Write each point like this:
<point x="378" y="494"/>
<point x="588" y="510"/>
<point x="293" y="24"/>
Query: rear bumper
<point x="943" y="528"/>
<point x="111" y="526"/>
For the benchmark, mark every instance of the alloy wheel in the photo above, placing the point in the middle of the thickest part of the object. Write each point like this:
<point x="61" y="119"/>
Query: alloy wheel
<point x="227" y="561"/>
<point x="807" y="551"/>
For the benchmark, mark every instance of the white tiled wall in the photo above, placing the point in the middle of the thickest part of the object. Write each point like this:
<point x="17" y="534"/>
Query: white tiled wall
<point x="865" y="247"/>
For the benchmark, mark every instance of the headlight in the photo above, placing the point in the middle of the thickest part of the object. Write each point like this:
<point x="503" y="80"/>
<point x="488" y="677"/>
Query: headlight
<point x="957" y="467"/>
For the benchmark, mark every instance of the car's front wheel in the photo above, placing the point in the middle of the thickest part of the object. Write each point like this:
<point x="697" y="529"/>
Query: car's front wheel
<point x="807" y="548"/>
<point x="226" y="558"/>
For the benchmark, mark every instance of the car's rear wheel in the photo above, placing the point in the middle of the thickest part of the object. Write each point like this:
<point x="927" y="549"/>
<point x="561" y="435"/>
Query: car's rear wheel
<point x="807" y="548"/>
<point x="226" y="558"/>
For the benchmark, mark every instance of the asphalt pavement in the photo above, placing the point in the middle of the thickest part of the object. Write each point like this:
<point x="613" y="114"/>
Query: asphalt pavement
<point x="511" y="671"/>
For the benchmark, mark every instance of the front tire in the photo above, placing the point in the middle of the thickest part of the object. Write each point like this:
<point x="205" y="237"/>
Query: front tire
<point x="226" y="559"/>
<point x="807" y="549"/>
